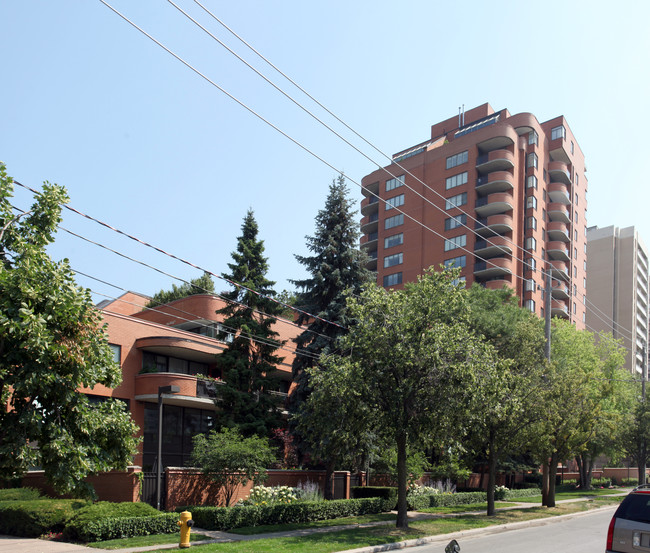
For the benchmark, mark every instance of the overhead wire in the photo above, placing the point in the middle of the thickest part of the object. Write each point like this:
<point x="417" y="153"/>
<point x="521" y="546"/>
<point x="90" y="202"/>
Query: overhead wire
<point x="187" y="64"/>
<point x="296" y="142"/>
<point x="321" y="105"/>
<point x="189" y="263"/>
<point x="252" y="337"/>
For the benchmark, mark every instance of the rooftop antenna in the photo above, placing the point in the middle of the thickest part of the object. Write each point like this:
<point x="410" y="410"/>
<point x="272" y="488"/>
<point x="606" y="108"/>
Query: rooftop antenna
<point x="459" y="125"/>
<point x="463" y="115"/>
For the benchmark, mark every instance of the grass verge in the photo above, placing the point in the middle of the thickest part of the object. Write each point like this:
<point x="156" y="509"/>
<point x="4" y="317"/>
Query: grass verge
<point x="142" y="541"/>
<point x="465" y="508"/>
<point x="365" y="519"/>
<point x="377" y="535"/>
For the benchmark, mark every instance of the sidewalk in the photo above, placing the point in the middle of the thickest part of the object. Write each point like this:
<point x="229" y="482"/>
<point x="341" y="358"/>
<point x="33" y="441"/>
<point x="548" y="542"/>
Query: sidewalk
<point x="9" y="544"/>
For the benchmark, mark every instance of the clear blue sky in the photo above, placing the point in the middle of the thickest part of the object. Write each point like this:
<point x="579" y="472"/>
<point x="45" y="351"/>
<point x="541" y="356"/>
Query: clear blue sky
<point x="146" y="145"/>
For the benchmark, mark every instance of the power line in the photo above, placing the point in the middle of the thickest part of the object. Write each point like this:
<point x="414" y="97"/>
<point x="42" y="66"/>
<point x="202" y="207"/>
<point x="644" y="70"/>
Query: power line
<point x="160" y="250"/>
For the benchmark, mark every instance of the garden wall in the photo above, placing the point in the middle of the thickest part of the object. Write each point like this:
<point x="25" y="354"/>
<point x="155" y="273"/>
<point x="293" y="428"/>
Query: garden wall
<point x="110" y="486"/>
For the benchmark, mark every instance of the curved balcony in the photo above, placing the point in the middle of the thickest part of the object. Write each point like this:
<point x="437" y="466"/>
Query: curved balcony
<point x="371" y="223"/>
<point x="559" y="172"/>
<point x="499" y="202"/>
<point x="369" y="205"/>
<point x="559" y="193"/>
<point x="493" y="247"/>
<point x="558" y="231"/>
<point x="560" y="290"/>
<point x="184" y="348"/>
<point x="493" y="225"/>
<point x="496" y="160"/>
<point x="496" y="267"/>
<point x="372" y="261"/>
<point x="558" y="212"/>
<point x="559" y="309"/>
<point x="558" y="250"/>
<point x="369" y="241"/>
<point x="194" y="392"/>
<point x="370" y="189"/>
<point x="559" y="269"/>
<point x="498" y="283"/>
<point x="497" y="181"/>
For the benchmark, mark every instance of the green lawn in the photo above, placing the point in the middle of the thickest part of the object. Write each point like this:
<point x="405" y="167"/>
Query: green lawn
<point x="465" y="508"/>
<point x="251" y="530"/>
<point x="377" y="535"/>
<point x="142" y="541"/>
<point x="570" y="495"/>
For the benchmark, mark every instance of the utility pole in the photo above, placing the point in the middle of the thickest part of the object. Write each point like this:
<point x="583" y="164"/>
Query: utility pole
<point x="547" y="353"/>
<point x="643" y="446"/>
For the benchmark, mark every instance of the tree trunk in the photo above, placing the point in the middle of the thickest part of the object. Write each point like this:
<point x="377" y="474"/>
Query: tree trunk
<point x="492" y="475"/>
<point x="581" y="470"/>
<point x="587" y="471"/>
<point x="545" y="482"/>
<point x="402" y="516"/>
<point x="641" y="462"/>
<point x="552" y="473"/>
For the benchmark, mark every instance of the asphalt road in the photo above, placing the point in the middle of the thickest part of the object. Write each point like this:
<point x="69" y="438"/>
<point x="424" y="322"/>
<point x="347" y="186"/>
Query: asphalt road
<point x="581" y="534"/>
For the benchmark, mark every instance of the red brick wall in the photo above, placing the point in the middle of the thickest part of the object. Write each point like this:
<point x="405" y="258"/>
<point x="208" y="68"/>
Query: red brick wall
<point x="191" y="487"/>
<point x="115" y="486"/>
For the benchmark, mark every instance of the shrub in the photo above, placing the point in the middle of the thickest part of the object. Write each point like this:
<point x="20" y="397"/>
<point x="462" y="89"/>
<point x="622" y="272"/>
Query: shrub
<point x="388" y="493"/>
<point x="226" y="518"/>
<point x="104" y="510"/>
<point x="19" y="494"/>
<point x="127" y="527"/>
<point x="500" y="493"/>
<point x="31" y="518"/>
<point x="446" y="500"/>
<point x="266" y="495"/>
<point x="525" y="492"/>
<point x="629" y="482"/>
<point x="309" y="491"/>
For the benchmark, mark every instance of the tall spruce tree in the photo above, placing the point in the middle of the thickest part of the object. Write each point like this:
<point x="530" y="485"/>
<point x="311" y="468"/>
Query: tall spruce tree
<point x="249" y="362"/>
<point x="336" y="269"/>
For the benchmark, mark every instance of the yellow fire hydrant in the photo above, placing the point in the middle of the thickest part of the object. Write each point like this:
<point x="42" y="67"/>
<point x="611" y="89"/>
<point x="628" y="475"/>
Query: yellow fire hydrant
<point x="185" y="524"/>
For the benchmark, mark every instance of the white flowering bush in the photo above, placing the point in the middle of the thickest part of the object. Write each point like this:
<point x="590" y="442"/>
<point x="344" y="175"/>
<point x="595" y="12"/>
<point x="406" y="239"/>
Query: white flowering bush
<point x="416" y="490"/>
<point x="500" y="492"/>
<point x="266" y="495"/>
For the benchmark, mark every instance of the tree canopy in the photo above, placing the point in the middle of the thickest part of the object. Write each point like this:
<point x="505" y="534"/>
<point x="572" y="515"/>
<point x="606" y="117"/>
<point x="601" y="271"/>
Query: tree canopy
<point x="336" y="270"/>
<point x="249" y="363"/>
<point x="200" y="285"/>
<point x="52" y="343"/>
<point x="413" y="362"/>
<point x="231" y="459"/>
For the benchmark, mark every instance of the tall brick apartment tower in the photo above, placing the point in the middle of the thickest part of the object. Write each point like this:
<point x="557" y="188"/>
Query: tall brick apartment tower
<point x="501" y="196"/>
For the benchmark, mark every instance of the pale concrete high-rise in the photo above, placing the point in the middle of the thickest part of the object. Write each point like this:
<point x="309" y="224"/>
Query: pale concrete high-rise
<point x="617" y="273"/>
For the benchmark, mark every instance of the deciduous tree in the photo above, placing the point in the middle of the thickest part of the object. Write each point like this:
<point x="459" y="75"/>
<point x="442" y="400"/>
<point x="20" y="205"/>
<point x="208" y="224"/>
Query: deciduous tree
<point x="199" y="285"/>
<point x="231" y="459"/>
<point x="52" y="343"/>
<point x="415" y="364"/>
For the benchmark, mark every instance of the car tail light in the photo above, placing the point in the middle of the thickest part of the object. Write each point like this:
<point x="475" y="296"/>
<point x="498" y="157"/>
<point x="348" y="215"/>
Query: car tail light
<point x="610" y="534"/>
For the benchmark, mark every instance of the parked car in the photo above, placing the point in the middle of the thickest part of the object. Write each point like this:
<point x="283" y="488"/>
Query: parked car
<point x="629" y="530"/>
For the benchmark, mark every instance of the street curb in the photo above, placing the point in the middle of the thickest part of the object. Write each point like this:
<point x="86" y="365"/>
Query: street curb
<point x="477" y="531"/>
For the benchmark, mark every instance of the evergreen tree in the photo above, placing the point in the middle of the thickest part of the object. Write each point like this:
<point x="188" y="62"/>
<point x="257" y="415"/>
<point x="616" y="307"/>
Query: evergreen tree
<point x="249" y="362"/>
<point x="336" y="269"/>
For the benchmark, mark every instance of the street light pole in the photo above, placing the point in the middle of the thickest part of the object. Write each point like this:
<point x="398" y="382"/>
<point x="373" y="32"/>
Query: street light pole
<point x="161" y="390"/>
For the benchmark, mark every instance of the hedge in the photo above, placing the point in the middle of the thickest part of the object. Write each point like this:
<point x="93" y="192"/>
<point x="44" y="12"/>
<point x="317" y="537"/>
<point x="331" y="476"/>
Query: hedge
<point x="389" y="493"/>
<point x="19" y="494"/>
<point x="524" y="492"/>
<point x="226" y="518"/>
<point x="33" y="518"/>
<point x="427" y="501"/>
<point x="98" y="512"/>
<point x="127" y="527"/>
